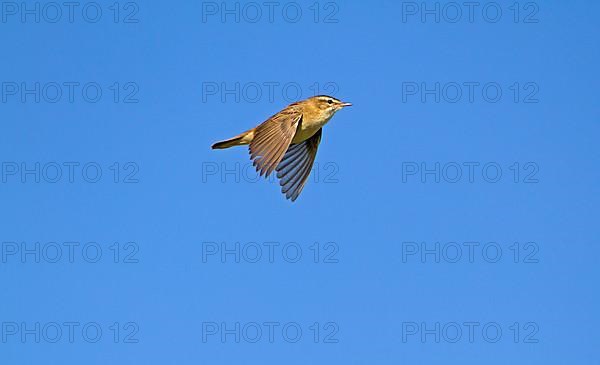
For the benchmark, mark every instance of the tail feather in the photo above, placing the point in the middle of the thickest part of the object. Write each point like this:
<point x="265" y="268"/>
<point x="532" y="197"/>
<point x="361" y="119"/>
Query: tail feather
<point x="227" y="143"/>
<point x="240" y="140"/>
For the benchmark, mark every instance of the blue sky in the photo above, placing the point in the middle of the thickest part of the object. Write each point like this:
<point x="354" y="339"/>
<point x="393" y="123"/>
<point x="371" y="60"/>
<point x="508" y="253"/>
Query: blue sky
<point x="450" y="217"/>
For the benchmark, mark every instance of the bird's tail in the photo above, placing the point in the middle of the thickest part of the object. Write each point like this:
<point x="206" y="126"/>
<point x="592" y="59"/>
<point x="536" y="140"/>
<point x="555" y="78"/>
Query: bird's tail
<point x="240" y="140"/>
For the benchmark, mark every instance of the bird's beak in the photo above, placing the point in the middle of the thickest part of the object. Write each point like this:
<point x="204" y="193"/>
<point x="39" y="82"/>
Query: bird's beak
<point x="343" y="105"/>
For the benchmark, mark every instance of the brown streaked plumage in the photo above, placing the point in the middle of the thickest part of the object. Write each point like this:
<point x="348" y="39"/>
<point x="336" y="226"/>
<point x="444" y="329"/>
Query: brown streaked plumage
<point x="288" y="141"/>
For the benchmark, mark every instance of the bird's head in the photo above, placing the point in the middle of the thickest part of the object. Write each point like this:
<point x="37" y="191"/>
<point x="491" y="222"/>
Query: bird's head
<point x="326" y="105"/>
<point x="326" y="102"/>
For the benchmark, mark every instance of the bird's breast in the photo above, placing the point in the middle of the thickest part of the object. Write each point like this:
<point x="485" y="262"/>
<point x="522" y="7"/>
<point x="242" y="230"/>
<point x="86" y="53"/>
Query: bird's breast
<point x="308" y="127"/>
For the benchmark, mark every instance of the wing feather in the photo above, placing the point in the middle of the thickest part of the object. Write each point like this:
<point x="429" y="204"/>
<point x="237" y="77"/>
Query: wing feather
<point x="296" y="165"/>
<point x="272" y="138"/>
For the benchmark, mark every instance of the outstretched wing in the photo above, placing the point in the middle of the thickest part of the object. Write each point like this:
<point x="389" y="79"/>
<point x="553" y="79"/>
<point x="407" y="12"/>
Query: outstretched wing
<point x="272" y="138"/>
<point x="295" y="167"/>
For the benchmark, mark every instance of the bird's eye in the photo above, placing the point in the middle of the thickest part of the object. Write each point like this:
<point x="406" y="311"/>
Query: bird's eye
<point x="329" y="101"/>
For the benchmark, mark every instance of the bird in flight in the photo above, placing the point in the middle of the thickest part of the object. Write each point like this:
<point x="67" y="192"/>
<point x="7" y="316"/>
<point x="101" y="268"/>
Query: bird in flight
<point x="287" y="142"/>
